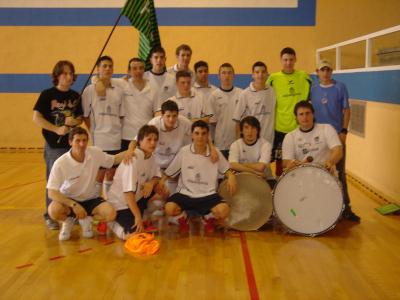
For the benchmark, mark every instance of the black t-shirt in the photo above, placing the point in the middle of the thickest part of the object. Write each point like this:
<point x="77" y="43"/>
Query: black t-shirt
<point x="55" y="106"/>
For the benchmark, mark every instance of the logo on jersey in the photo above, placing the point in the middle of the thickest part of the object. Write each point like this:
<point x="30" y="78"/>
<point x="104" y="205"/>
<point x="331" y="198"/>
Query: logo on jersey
<point x="316" y="139"/>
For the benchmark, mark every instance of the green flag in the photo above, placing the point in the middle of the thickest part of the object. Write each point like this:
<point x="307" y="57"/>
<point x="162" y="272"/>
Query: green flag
<point x="143" y="17"/>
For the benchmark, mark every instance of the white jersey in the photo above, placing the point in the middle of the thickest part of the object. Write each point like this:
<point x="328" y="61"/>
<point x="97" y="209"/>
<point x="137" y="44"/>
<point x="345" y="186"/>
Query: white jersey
<point x="164" y="85"/>
<point x="259" y="104"/>
<point x="140" y="106"/>
<point x="174" y="69"/>
<point x="316" y="143"/>
<point x="193" y="106"/>
<point x="205" y="91"/>
<point x="105" y="116"/>
<point x="77" y="180"/>
<point x="131" y="178"/>
<point x="170" y="142"/>
<point x="223" y="104"/>
<point x="198" y="174"/>
<point x="242" y="153"/>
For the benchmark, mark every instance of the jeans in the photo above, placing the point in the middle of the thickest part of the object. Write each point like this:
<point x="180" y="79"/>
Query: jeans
<point x="341" y="168"/>
<point x="50" y="156"/>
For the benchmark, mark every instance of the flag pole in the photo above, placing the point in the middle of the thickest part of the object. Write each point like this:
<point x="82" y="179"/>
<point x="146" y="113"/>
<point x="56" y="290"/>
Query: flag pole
<point x="101" y="52"/>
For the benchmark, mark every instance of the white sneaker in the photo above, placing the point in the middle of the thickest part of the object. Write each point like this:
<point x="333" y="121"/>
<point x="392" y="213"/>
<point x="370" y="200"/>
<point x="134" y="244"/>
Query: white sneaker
<point x="66" y="228"/>
<point x="118" y="230"/>
<point x="86" y="225"/>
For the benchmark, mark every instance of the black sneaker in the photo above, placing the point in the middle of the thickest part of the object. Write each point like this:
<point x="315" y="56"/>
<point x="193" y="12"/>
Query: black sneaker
<point x="348" y="214"/>
<point x="52" y="225"/>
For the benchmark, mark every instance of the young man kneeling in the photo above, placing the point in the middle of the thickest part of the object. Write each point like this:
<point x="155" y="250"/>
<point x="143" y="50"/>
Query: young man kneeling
<point x="198" y="181"/>
<point x="72" y="185"/>
<point x="134" y="184"/>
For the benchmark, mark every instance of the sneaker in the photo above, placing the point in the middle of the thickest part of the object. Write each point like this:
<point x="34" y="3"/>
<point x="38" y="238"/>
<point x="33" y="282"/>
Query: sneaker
<point x="86" y="225"/>
<point x="149" y="226"/>
<point x="51" y="224"/>
<point x="183" y="225"/>
<point x="118" y="230"/>
<point x="209" y="225"/>
<point x="66" y="228"/>
<point x="102" y="228"/>
<point x="348" y="214"/>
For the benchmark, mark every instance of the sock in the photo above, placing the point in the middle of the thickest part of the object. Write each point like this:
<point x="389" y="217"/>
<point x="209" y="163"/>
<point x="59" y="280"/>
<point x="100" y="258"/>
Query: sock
<point x="209" y="216"/>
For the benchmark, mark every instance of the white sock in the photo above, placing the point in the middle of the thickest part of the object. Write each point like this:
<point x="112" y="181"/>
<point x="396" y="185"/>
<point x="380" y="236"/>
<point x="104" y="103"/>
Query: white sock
<point x="174" y="219"/>
<point x="117" y="229"/>
<point x="209" y="216"/>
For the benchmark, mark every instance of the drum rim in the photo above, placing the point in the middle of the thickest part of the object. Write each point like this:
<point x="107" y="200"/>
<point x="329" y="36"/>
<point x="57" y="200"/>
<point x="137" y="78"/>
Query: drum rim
<point x="258" y="178"/>
<point x="291" y="170"/>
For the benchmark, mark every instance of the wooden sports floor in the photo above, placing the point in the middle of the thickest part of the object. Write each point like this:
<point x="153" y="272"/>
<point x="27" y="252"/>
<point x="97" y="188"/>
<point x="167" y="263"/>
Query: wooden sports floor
<point x="350" y="262"/>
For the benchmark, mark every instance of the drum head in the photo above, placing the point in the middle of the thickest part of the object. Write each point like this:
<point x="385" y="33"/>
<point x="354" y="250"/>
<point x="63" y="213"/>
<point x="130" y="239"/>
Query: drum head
<point x="308" y="200"/>
<point x="251" y="205"/>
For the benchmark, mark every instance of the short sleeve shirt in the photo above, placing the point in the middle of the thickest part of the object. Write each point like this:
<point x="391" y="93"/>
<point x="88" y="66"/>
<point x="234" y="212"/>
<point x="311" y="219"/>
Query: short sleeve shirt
<point x="289" y="89"/>
<point x="198" y="174"/>
<point x="316" y="143"/>
<point x="77" y="180"/>
<point x="55" y="106"/>
<point x="131" y="178"/>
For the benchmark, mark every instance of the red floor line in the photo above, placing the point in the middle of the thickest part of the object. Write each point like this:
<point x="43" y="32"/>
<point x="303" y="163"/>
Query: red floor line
<point x="251" y="281"/>
<point x="108" y="243"/>
<point x="23" y="266"/>
<point x="56" y="257"/>
<point x="84" y="250"/>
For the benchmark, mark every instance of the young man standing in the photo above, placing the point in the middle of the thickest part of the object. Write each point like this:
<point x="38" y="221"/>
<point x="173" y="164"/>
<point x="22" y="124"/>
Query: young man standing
<point x="140" y="102"/>
<point x="223" y="102"/>
<point x="161" y="82"/>
<point x="258" y="100"/>
<point x="331" y="103"/>
<point x="201" y="83"/>
<point x="134" y="184"/>
<point x="197" y="187"/>
<point x="183" y="56"/>
<point x="57" y="110"/>
<point x="291" y="86"/>
<point x="192" y="104"/>
<point x="103" y="108"/>
<point x="251" y="153"/>
<point x="73" y="188"/>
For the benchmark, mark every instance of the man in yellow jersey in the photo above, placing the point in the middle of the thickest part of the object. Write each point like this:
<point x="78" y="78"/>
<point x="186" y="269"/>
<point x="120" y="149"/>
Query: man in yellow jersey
<point x="291" y="86"/>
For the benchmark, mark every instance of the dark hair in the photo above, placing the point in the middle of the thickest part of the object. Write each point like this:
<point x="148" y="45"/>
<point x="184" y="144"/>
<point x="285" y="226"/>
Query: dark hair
<point x="183" y="47"/>
<point x="103" y="58"/>
<point x="199" y="64"/>
<point x="226" y="65"/>
<point x="201" y="124"/>
<point x="77" y="130"/>
<point x="182" y="73"/>
<point x="288" y="50"/>
<point x="169" y="105"/>
<point x="145" y="131"/>
<point x="59" y="69"/>
<point x="258" y="64"/>
<point x="303" y="104"/>
<point x="157" y="49"/>
<point x="253" y="122"/>
<point x="135" y="59"/>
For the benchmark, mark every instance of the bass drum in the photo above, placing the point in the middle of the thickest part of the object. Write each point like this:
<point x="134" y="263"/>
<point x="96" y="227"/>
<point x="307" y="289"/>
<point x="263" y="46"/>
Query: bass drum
<point x="308" y="200"/>
<point x="251" y="205"/>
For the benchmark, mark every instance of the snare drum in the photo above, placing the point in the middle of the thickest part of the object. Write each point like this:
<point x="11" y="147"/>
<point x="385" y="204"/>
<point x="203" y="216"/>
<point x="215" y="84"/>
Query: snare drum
<point x="251" y="205"/>
<point x="308" y="200"/>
